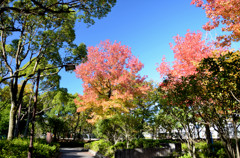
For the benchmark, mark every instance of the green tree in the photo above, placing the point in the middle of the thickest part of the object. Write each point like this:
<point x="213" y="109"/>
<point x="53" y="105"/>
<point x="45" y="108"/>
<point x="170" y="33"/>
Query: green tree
<point x="208" y="97"/>
<point x="178" y="101"/>
<point x="119" y="126"/>
<point x="34" y="32"/>
<point x="55" y="107"/>
<point x="109" y="129"/>
<point x="146" y="107"/>
<point x="220" y="78"/>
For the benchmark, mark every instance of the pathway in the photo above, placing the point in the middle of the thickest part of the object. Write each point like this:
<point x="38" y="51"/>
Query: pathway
<point x="77" y="152"/>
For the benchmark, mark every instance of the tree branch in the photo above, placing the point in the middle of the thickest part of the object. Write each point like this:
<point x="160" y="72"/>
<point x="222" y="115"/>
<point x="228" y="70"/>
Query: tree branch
<point x="3" y="40"/>
<point x="43" y="110"/>
<point x="235" y="97"/>
<point x="6" y="78"/>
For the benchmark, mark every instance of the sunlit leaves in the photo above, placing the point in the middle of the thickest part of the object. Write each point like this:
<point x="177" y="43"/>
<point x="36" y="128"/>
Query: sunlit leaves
<point x="188" y="52"/>
<point x="110" y="79"/>
<point x="223" y="14"/>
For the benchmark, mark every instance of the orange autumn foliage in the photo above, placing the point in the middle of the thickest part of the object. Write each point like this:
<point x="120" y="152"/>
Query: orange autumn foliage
<point x="188" y="53"/>
<point x="110" y="80"/>
<point x="225" y="14"/>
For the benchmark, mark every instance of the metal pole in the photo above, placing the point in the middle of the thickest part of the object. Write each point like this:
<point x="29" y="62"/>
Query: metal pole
<point x="30" y="149"/>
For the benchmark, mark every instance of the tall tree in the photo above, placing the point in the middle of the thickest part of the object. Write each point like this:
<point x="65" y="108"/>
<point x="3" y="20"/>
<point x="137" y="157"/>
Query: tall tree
<point x="179" y="102"/>
<point x="58" y="108"/>
<point x="188" y="51"/>
<point x="220" y="78"/>
<point x="89" y="9"/>
<point x="110" y="79"/>
<point x="34" y="32"/>
<point x="146" y="107"/>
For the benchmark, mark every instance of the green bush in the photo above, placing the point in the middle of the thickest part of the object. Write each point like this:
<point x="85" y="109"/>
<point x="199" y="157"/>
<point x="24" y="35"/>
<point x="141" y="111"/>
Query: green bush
<point x="98" y="146"/>
<point x="212" y="151"/>
<point x="102" y="146"/>
<point x="18" y="148"/>
<point x="107" y="149"/>
<point x="146" y="143"/>
<point x="185" y="156"/>
<point x="120" y="145"/>
<point x="216" y="150"/>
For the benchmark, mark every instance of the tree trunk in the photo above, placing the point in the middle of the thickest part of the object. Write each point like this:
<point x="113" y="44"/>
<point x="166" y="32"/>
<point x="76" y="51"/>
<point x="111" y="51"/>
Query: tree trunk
<point x="235" y="135"/>
<point x="208" y="134"/>
<point x="227" y="143"/>
<point x="127" y="141"/>
<point x="189" y="148"/>
<point x="75" y="128"/>
<point x="27" y="123"/>
<point x="29" y="112"/>
<point x="30" y="149"/>
<point x="13" y="110"/>
<point x="15" y="102"/>
<point x="190" y="140"/>
<point x="80" y="132"/>
<point x="179" y="134"/>
<point x="153" y="132"/>
<point x="231" y="152"/>
<point x="11" y="121"/>
<point x="16" y="131"/>
<point x="170" y="134"/>
<point x="198" y="131"/>
<point x="193" y="150"/>
<point x="223" y="130"/>
<point x="90" y="133"/>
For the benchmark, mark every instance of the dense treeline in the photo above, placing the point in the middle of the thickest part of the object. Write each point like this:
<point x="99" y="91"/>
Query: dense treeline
<point x="199" y="89"/>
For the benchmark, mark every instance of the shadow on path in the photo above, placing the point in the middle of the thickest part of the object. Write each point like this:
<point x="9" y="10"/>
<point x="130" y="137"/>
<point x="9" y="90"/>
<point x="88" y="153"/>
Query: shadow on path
<point x="77" y="152"/>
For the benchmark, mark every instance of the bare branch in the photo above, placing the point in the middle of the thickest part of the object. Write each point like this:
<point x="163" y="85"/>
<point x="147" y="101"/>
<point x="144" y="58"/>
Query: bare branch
<point x="43" y="110"/>
<point x="1" y="2"/>
<point x="6" y="78"/>
<point x="19" y="47"/>
<point x="235" y="97"/>
<point x="3" y="40"/>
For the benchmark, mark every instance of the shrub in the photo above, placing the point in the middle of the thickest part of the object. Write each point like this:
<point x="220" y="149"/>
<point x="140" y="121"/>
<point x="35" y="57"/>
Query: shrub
<point x="146" y="143"/>
<point x="102" y="146"/>
<point x="120" y="145"/>
<point x="18" y="148"/>
<point x="185" y="156"/>
<point x="106" y="148"/>
<point x="212" y="151"/>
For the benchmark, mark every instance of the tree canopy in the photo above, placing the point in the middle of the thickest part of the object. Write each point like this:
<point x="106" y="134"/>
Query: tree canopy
<point x="40" y="35"/>
<point x="110" y="79"/>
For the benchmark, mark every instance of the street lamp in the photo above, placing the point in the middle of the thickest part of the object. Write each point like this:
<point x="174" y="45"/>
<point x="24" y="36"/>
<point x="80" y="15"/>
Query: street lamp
<point x="68" y="67"/>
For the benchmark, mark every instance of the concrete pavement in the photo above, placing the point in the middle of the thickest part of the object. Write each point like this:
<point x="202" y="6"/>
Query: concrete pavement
<point x="76" y="152"/>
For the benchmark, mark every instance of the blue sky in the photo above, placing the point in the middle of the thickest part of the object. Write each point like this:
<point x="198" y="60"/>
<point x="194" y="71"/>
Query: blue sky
<point x="147" y="27"/>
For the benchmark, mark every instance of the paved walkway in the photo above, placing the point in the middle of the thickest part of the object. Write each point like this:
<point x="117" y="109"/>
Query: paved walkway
<point x="74" y="153"/>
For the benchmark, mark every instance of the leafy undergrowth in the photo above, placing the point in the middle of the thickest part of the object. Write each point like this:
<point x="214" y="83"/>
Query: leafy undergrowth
<point x="203" y="151"/>
<point x="107" y="149"/>
<point x="18" y="148"/>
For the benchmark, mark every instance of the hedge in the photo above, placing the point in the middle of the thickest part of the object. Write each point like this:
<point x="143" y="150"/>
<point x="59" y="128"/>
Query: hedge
<point x="18" y="148"/>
